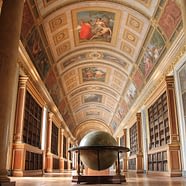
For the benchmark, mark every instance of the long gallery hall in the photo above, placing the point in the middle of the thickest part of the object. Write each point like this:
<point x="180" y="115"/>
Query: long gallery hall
<point x="92" y="92"/>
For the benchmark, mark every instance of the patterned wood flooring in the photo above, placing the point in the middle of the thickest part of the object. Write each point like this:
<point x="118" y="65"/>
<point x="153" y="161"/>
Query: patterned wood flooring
<point x="64" y="179"/>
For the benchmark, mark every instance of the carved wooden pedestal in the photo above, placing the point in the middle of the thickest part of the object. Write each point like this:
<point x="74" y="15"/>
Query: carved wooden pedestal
<point x="8" y="184"/>
<point x="110" y="179"/>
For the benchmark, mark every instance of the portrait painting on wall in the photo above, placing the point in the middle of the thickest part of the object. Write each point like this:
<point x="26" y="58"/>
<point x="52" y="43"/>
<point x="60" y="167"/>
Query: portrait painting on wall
<point x="95" y="25"/>
<point x="182" y="78"/>
<point x="122" y="110"/>
<point x="37" y="52"/>
<point x="53" y="88"/>
<point x="114" y="125"/>
<point x="170" y="18"/>
<point x="130" y="94"/>
<point x="27" y="21"/>
<point x="94" y="74"/>
<point x="152" y="53"/>
<point x="138" y="80"/>
<point x="92" y="97"/>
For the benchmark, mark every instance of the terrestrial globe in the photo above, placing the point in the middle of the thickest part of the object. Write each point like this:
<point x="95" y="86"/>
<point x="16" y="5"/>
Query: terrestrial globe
<point x="98" y="159"/>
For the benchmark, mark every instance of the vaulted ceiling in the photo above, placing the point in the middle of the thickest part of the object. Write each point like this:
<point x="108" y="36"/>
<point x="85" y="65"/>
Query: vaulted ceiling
<point x="95" y="57"/>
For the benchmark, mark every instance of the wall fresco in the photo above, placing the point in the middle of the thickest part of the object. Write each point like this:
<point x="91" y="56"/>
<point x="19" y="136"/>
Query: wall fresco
<point x="53" y="88"/>
<point x="122" y="110"/>
<point x="38" y="54"/>
<point x="27" y="21"/>
<point x="130" y="94"/>
<point x="170" y="18"/>
<point x="152" y="53"/>
<point x="138" y="80"/>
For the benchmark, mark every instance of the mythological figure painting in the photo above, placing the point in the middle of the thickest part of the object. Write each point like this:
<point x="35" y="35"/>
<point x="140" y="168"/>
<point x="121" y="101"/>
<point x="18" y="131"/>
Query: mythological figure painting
<point x="94" y="25"/>
<point x="94" y="74"/>
<point x="131" y="94"/>
<point x="38" y="53"/>
<point x="27" y="22"/>
<point x="92" y="97"/>
<point x="182" y="78"/>
<point x="152" y="53"/>
<point x="170" y="18"/>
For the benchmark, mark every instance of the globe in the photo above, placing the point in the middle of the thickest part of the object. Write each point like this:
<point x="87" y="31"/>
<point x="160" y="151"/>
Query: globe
<point x="98" y="159"/>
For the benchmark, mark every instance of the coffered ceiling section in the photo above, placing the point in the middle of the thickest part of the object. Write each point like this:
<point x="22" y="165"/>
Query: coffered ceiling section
<point x="96" y="56"/>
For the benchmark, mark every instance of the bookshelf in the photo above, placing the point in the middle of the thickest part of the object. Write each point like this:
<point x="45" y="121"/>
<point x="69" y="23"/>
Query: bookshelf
<point x="64" y="147"/>
<point x="32" y="122"/>
<point x="133" y="139"/>
<point x="132" y="164"/>
<point x="136" y="156"/>
<point x="158" y="161"/>
<point x="54" y="139"/>
<point x="159" y="123"/>
<point x="164" y="145"/>
<point x="33" y="161"/>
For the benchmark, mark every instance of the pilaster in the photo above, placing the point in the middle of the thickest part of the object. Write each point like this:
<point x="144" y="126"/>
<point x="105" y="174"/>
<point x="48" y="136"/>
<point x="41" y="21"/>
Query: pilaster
<point x="174" y="146"/>
<point x="125" y="154"/>
<point x="61" y="160"/>
<point x="49" y="156"/>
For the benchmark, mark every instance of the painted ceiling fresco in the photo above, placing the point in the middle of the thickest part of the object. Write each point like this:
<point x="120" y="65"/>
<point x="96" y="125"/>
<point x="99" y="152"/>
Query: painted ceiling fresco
<point x="95" y="57"/>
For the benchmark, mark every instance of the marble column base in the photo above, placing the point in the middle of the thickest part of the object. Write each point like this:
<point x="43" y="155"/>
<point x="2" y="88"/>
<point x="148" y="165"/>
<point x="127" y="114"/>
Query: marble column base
<point x="8" y="184"/>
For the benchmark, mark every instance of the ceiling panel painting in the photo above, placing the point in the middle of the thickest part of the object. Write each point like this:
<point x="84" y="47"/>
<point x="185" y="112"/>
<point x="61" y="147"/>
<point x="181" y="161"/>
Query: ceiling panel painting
<point x="94" y="24"/>
<point x="94" y="73"/>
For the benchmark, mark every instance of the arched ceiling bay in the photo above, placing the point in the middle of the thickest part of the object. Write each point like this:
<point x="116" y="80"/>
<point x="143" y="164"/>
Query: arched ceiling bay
<point x="95" y="57"/>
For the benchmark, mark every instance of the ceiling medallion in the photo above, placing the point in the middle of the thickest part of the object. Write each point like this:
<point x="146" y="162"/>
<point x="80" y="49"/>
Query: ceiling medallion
<point x="94" y="55"/>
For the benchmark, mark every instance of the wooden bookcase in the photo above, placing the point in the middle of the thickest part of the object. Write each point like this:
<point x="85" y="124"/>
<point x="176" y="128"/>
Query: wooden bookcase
<point x="135" y="156"/>
<point x="158" y="161"/>
<point x="133" y="139"/>
<point x="54" y="139"/>
<point x="32" y="122"/>
<point x="27" y="131"/>
<point x="158" y="123"/>
<point x="33" y="161"/>
<point x="64" y="147"/>
<point x="164" y="146"/>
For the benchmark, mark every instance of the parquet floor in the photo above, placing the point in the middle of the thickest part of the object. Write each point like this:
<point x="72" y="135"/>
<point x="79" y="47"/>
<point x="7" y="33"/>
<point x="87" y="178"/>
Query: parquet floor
<point x="64" y="179"/>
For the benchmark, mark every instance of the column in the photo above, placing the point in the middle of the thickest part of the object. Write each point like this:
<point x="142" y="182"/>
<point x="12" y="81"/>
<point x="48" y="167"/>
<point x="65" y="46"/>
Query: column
<point x="139" y="154"/>
<point x="144" y="137"/>
<point x="125" y="154"/>
<point x="10" y="21"/>
<point x="18" y="146"/>
<point x="61" y="160"/>
<point x="19" y="120"/>
<point x="49" y="156"/>
<point x="68" y="154"/>
<point x="43" y="135"/>
<point x="174" y="145"/>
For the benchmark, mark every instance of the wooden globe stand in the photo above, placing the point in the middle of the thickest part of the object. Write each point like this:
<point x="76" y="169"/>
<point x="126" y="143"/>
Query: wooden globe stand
<point x="99" y="179"/>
